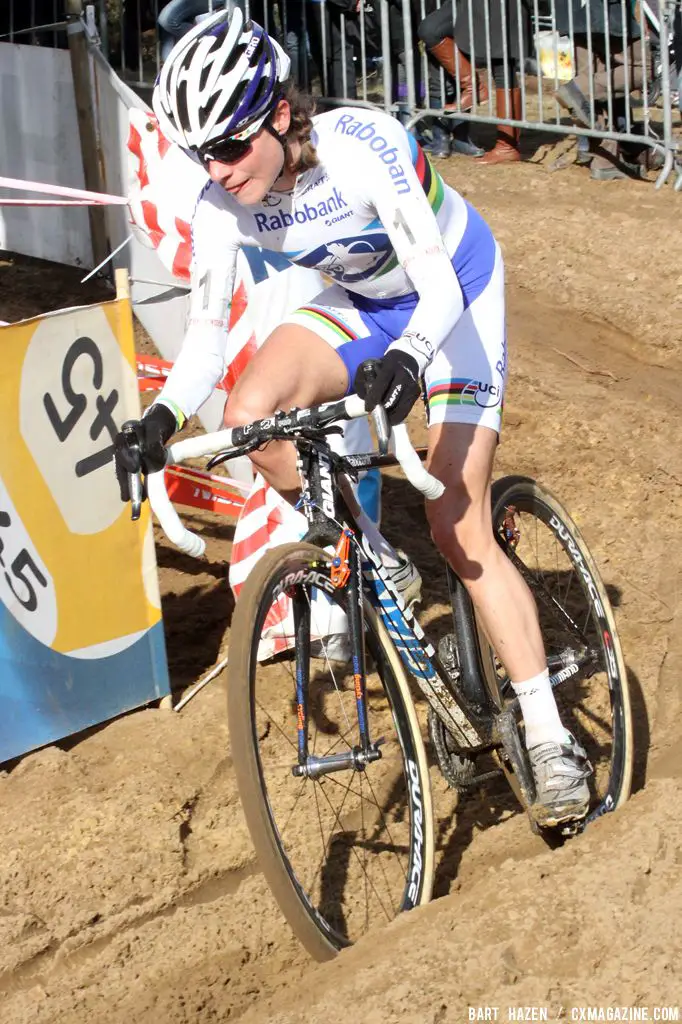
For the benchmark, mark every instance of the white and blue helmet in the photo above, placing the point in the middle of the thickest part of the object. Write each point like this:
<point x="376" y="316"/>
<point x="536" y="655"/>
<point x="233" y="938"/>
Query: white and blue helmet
<point x="220" y="80"/>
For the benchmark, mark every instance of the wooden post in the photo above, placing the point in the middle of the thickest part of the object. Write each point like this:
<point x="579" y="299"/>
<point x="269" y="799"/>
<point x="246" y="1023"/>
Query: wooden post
<point x="80" y="69"/>
<point x="122" y="283"/>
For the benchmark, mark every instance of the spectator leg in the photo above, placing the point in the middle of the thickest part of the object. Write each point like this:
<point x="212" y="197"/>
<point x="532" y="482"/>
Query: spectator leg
<point x="621" y="76"/>
<point x="176" y="19"/>
<point x="457" y="65"/>
<point x="295" y="41"/>
<point x="328" y="30"/>
<point x="447" y="134"/>
<point x="508" y="104"/>
<point x="586" y="147"/>
<point x="436" y="32"/>
<point x="607" y="162"/>
<point x="167" y="43"/>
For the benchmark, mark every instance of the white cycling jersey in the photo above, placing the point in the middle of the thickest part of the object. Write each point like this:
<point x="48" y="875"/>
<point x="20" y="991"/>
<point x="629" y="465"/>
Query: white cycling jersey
<point x="373" y="215"/>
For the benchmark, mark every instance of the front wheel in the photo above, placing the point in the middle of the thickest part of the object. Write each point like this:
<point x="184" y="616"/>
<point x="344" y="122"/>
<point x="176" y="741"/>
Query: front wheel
<point x="578" y="628"/>
<point x="350" y="849"/>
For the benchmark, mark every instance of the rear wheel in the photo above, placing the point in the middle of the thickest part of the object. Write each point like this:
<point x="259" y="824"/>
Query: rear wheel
<point x="350" y="849"/>
<point x="578" y="628"/>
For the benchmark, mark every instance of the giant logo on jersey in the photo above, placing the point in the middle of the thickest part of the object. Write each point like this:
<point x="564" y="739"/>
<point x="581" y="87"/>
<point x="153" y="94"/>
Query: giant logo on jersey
<point x="348" y="259"/>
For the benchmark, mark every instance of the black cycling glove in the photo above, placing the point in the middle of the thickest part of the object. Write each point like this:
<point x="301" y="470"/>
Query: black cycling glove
<point x="152" y="432"/>
<point x="396" y="385"/>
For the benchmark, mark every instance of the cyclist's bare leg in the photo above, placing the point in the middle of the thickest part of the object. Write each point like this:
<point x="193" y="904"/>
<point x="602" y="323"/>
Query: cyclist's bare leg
<point x="294" y="367"/>
<point x="461" y="456"/>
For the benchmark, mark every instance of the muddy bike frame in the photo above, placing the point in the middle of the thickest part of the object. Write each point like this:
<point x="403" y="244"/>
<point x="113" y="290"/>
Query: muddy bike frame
<point x="323" y="503"/>
<point x="463" y="700"/>
<point x="465" y="695"/>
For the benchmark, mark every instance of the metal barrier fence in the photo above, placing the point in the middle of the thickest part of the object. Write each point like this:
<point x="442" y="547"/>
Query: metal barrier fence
<point x="603" y="61"/>
<point x="599" y="69"/>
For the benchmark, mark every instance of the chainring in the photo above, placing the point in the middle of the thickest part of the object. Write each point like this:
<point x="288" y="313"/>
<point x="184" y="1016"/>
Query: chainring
<point x="457" y="770"/>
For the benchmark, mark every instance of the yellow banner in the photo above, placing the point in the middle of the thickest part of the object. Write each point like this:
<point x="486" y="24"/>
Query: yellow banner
<point x="75" y="572"/>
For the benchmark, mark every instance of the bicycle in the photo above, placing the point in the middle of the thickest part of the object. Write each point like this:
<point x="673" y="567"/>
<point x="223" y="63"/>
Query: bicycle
<point x="327" y="747"/>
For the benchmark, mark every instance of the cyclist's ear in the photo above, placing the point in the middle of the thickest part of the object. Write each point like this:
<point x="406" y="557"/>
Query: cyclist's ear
<point x="281" y="117"/>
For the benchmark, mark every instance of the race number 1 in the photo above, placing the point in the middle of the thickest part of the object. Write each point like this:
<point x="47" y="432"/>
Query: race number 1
<point x="401" y="224"/>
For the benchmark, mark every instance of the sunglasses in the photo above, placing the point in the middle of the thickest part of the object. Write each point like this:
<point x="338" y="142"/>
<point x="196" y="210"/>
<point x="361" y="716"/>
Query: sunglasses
<point x="226" y="151"/>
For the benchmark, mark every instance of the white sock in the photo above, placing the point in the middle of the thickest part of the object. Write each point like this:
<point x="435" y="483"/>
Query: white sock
<point x="389" y="556"/>
<point x="539" y="710"/>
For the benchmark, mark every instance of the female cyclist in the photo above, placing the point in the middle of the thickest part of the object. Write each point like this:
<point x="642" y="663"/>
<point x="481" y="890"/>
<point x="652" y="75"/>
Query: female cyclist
<point x="418" y="283"/>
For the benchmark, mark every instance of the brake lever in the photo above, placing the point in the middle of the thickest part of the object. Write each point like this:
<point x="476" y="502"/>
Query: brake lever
<point x="134" y="479"/>
<point x="382" y="428"/>
<point x="136" y="493"/>
<point x="379" y="416"/>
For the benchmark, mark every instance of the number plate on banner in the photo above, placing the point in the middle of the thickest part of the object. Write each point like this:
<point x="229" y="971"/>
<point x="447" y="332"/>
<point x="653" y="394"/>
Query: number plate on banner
<point x="81" y="637"/>
<point x="26" y="587"/>
<point x="75" y="572"/>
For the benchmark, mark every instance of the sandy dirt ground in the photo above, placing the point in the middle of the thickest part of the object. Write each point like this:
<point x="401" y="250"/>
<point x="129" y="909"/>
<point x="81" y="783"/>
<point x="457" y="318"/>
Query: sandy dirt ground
<point x="129" y="891"/>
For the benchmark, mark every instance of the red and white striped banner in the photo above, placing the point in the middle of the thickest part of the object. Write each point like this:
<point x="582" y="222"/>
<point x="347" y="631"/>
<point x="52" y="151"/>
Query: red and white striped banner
<point x="199" y="489"/>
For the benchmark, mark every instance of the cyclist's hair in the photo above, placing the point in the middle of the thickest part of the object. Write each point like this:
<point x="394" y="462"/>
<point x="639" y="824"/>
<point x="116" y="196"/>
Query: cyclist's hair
<point x="302" y="109"/>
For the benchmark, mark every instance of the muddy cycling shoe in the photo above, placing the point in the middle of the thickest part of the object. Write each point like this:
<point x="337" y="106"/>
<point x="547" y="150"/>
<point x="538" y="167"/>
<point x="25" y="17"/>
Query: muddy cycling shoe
<point x="406" y="579"/>
<point x="561" y="771"/>
<point x="333" y="648"/>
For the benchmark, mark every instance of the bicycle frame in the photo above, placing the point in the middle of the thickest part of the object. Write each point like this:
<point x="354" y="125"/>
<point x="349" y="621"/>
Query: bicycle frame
<point x="467" y="702"/>
<point x="466" y="714"/>
<point x="470" y="714"/>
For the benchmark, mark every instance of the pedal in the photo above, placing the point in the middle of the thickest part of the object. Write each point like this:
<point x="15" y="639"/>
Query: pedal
<point x="572" y="828"/>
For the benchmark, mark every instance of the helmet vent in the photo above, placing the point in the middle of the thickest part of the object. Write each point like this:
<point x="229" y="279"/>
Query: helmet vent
<point x="232" y="60"/>
<point x="261" y="92"/>
<point x="238" y="95"/>
<point x="181" y="102"/>
<point x="208" y="108"/>
<point x="203" y="77"/>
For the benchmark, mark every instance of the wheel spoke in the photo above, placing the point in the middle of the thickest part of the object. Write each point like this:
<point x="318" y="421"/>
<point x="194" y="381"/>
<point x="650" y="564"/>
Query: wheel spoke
<point x="344" y="839"/>
<point x="559" y="571"/>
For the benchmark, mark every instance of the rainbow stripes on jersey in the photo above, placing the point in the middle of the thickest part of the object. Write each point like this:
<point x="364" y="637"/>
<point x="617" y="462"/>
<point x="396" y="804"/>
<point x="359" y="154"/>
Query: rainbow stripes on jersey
<point x="321" y="315"/>
<point x="430" y="179"/>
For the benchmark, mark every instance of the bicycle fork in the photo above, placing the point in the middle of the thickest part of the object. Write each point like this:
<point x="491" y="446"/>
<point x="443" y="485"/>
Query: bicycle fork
<point x="358" y="757"/>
